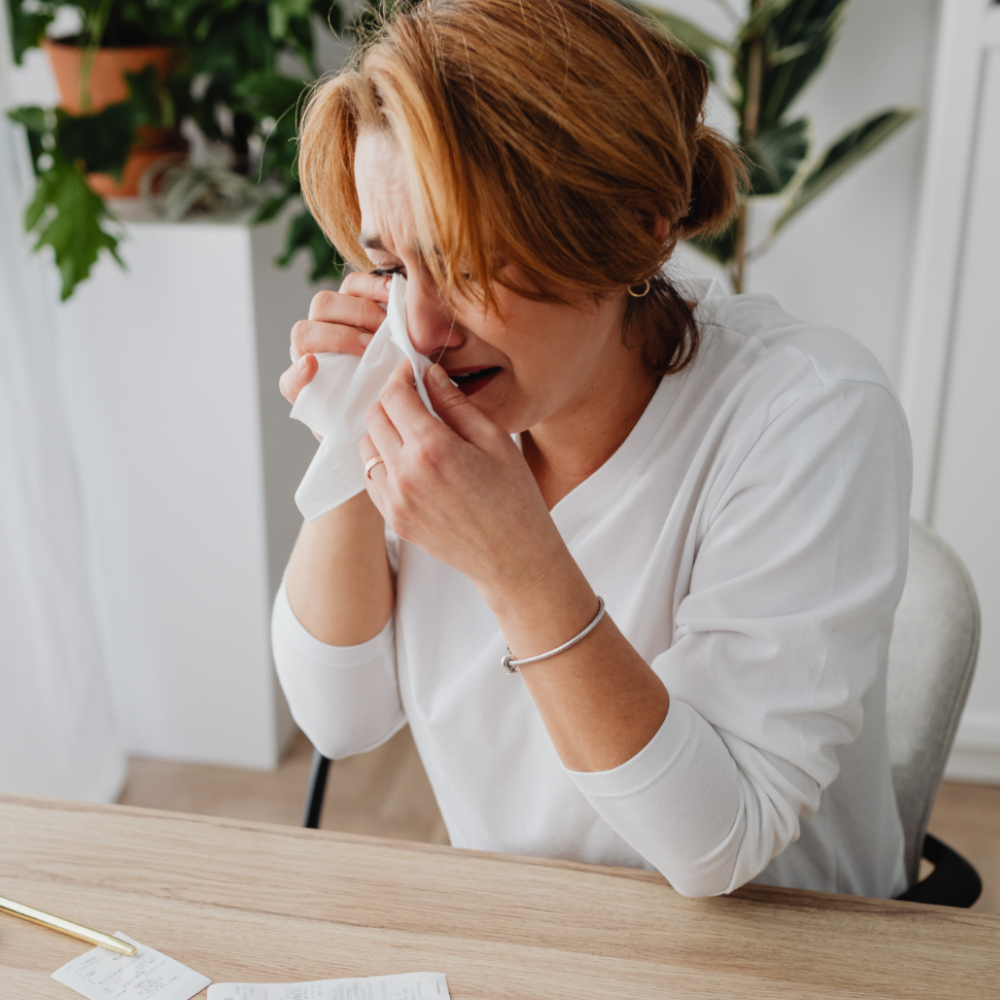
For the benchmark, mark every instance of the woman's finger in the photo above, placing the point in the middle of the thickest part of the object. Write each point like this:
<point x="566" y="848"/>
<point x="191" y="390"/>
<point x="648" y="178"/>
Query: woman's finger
<point x="293" y="380"/>
<point x="375" y="478"/>
<point x="458" y="412"/>
<point x="368" y="285"/>
<point x="384" y="435"/>
<point x="404" y="406"/>
<point x="312" y="337"/>
<point x="346" y="310"/>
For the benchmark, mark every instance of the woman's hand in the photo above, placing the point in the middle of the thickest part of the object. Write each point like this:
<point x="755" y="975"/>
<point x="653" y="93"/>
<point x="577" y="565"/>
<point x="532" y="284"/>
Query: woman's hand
<point x="458" y="488"/>
<point x="339" y="322"/>
<point x="338" y="580"/>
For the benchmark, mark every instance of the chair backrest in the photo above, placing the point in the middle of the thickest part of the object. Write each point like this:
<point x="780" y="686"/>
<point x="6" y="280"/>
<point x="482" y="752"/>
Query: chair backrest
<point x="932" y="656"/>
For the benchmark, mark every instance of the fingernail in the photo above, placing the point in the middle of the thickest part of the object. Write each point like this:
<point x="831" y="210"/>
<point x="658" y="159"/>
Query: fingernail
<point x="365" y="338"/>
<point x="439" y="376"/>
<point x="301" y="363"/>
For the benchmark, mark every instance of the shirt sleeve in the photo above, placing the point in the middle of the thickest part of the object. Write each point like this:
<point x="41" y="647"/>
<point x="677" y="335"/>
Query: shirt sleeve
<point x="344" y="698"/>
<point x="800" y="565"/>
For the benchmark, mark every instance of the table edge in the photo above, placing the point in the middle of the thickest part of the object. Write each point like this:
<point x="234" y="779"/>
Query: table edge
<point x="751" y="893"/>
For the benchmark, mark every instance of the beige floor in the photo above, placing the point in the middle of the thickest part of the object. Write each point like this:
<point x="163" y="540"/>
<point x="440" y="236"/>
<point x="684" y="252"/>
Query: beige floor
<point x="385" y="793"/>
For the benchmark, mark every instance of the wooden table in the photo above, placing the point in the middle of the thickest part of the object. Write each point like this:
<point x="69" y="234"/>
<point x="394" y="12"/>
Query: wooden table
<point x="251" y="902"/>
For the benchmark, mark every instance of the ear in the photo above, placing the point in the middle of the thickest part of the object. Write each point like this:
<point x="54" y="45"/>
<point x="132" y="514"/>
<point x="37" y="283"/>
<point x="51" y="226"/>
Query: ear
<point x="657" y="225"/>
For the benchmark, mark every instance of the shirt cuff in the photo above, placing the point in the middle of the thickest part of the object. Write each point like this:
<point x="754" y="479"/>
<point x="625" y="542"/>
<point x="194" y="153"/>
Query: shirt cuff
<point x="292" y="631"/>
<point x="649" y="764"/>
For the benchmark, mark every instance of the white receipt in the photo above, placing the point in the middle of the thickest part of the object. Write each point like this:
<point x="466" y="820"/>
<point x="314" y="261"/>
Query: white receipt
<point x="410" y="986"/>
<point x="100" y="974"/>
<point x="334" y="404"/>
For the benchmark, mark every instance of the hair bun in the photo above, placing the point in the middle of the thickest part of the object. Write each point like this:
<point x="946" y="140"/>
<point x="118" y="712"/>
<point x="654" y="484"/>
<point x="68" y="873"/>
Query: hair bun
<point x="717" y="176"/>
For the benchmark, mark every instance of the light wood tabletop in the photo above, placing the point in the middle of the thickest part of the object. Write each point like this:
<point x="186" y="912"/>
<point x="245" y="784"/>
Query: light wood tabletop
<point x="254" y="902"/>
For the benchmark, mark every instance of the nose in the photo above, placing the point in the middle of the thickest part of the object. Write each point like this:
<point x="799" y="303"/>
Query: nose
<point x="430" y="320"/>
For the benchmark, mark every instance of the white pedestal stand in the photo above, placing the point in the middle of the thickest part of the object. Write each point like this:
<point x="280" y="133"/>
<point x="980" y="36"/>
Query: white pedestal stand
<point x="189" y="463"/>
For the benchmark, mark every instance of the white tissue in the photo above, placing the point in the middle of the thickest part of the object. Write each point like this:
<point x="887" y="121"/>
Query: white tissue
<point x="334" y="403"/>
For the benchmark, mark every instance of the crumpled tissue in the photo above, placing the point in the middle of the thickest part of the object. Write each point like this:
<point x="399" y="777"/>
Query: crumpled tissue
<point x="334" y="403"/>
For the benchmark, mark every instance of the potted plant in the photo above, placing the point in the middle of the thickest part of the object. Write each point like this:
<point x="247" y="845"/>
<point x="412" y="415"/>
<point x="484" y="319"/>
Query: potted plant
<point x="90" y="80"/>
<point x="774" y="52"/>
<point x="131" y="77"/>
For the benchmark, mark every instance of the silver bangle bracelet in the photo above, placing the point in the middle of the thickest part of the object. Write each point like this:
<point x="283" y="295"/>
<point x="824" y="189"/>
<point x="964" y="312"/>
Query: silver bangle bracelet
<point x="511" y="665"/>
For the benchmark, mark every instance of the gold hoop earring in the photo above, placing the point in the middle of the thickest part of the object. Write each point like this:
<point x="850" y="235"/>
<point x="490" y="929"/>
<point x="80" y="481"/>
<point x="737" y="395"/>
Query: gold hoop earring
<point x="640" y="295"/>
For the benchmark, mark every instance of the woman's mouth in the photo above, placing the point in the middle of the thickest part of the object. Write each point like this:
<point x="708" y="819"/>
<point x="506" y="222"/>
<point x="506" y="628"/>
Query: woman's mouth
<point x="471" y="380"/>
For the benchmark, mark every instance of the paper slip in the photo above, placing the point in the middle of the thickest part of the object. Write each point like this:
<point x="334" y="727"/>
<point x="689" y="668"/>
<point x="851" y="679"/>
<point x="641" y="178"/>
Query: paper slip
<point x="100" y="974"/>
<point x="411" y="986"/>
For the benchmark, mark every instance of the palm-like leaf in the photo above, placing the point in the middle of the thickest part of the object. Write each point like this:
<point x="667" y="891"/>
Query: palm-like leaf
<point x="848" y="150"/>
<point x="781" y="46"/>
<point x="796" y="36"/>
<point x="760" y="17"/>
<point x="776" y="155"/>
<point x="702" y="43"/>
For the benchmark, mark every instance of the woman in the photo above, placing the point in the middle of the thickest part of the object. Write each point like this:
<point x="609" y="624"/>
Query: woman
<point x="732" y="482"/>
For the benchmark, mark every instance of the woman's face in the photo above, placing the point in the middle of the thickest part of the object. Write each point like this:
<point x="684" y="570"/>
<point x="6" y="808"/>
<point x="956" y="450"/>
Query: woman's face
<point x="523" y="364"/>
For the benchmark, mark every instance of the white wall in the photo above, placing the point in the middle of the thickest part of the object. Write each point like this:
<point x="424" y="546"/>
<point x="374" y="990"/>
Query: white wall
<point x="846" y="259"/>
<point x="952" y="343"/>
<point x="968" y="469"/>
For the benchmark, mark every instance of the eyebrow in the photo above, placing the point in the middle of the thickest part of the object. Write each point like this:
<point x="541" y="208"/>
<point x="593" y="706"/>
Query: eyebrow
<point x="374" y="242"/>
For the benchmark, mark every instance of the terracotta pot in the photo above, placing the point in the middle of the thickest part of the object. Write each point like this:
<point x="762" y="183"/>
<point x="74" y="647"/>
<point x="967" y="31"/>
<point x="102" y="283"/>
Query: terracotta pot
<point x="107" y="85"/>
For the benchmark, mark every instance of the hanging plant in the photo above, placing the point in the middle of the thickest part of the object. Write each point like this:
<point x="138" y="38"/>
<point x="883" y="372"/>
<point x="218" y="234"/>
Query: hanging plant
<point x="226" y="73"/>
<point x="774" y="52"/>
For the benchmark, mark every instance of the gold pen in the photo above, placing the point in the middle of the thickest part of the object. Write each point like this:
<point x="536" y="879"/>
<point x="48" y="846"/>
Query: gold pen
<point x="66" y="927"/>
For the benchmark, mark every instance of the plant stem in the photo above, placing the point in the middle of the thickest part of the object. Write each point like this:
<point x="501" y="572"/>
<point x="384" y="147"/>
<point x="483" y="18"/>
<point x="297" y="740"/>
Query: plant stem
<point x="92" y="35"/>
<point x="748" y="130"/>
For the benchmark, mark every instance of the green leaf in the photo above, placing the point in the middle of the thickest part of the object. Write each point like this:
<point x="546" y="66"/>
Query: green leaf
<point x="268" y="93"/>
<point x="66" y="216"/>
<point x="720" y="248"/>
<point x="233" y="45"/>
<point x="39" y="124"/>
<point x="761" y="18"/>
<point x="702" y="43"/>
<point x="152" y="100"/>
<point x="27" y="27"/>
<point x="776" y="155"/>
<point x="281" y="12"/>
<point x="847" y="151"/>
<point x="33" y="118"/>
<point x="303" y="233"/>
<point x="329" y="12"/>
<point x="271" y="209"/>
<point x="796" y="42"/>
<point x="100" y="141"/>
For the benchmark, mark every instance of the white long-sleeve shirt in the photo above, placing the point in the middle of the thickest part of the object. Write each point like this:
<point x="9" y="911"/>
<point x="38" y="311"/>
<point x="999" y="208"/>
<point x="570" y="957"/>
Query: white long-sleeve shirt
<point x="749" y="539"/>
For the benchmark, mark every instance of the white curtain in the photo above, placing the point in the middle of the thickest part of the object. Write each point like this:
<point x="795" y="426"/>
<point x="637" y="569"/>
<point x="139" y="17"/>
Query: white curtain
<point x="57" y="731"/>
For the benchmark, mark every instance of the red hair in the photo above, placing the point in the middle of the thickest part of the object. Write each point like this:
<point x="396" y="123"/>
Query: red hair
<point x="539" y="133"/>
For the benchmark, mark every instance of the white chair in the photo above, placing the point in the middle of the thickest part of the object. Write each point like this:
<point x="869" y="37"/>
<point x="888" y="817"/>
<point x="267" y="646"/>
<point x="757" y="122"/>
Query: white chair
<point x="932" y="657"/>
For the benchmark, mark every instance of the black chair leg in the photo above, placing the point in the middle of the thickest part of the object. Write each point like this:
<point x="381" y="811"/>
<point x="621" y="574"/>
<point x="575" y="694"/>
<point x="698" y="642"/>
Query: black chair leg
<point x="954" y="882"/>
<point x="318" y="771"/>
